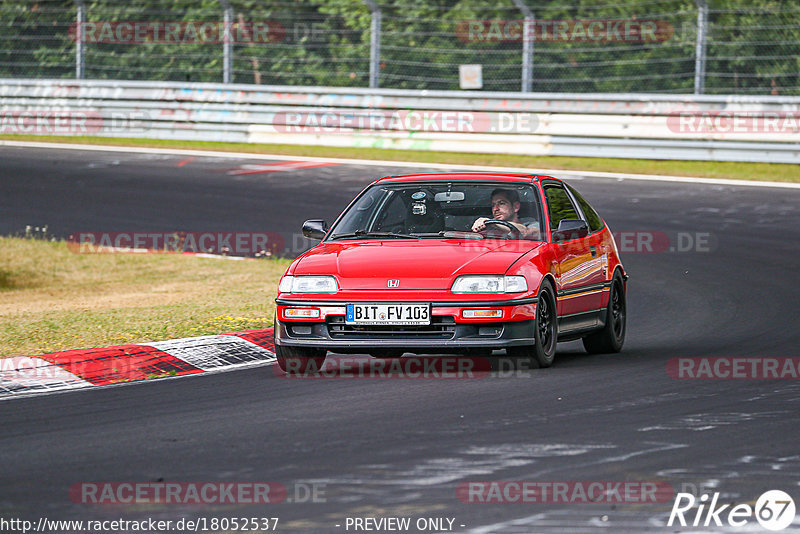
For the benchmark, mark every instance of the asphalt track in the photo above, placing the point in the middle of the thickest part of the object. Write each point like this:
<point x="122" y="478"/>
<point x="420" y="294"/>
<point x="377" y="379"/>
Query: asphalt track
<point x="383" y="447"/>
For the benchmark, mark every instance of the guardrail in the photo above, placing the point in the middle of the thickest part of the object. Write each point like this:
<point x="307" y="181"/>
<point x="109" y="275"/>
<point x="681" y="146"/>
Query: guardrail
<point x="658" y="126"/>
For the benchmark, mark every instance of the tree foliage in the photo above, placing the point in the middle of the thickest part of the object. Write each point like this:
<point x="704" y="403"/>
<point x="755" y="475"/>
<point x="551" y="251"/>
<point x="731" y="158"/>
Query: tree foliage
<point x="753" y="46"/>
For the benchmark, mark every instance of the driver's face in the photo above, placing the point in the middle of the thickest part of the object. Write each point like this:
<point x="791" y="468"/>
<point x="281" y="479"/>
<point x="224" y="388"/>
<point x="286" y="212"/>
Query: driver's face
<point x="503" y="209"/>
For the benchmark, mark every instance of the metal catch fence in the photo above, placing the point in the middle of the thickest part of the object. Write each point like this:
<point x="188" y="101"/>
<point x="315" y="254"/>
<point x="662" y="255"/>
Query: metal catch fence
<point x="614" y="46"/>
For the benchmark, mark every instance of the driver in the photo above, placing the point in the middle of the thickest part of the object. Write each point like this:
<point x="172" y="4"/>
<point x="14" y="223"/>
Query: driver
<point x="505" y="207"/>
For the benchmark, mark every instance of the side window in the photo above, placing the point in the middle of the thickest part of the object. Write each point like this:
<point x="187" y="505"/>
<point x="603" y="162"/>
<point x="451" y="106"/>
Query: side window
<point x="392" y="218"/>
<point x="592" y="218"/>
<point x="358" y="216"/>
<point x="559" y="206"/>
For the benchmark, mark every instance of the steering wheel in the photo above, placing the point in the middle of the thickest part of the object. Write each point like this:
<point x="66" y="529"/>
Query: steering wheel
<point x="513" y="229"/>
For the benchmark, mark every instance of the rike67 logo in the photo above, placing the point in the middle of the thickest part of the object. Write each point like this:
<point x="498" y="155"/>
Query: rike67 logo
<point x="774" y="510"/>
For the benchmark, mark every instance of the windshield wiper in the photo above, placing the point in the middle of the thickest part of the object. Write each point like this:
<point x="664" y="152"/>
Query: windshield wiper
<point x="364" y="233"/>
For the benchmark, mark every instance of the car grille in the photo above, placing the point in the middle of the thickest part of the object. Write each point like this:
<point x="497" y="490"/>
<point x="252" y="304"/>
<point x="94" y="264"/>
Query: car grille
<point x="440" y="328"/>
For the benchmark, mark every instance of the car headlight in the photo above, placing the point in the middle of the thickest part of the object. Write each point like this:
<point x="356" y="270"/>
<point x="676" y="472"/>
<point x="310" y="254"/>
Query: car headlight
<point x="308" y="284"/>
<point x="489" y="284"/>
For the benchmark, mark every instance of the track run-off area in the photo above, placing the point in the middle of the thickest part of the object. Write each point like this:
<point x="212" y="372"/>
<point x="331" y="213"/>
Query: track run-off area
<point x="713" y="276"/>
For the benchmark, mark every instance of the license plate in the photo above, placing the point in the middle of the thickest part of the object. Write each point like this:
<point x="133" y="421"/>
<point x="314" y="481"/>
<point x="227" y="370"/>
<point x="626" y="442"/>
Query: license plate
<point x="390" y="314"/>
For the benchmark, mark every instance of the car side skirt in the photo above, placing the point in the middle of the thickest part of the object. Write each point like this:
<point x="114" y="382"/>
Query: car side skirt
<point x="577" y="325"/>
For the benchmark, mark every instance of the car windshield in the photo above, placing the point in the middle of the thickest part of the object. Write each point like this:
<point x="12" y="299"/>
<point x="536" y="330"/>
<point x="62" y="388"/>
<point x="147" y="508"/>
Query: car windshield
<point x="425" y="210"/>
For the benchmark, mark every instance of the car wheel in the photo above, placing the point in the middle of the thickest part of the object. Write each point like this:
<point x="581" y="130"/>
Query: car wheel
<point x="299" y="360"/>
<point x="545" y="331"/>
<point x="611" y="338"/>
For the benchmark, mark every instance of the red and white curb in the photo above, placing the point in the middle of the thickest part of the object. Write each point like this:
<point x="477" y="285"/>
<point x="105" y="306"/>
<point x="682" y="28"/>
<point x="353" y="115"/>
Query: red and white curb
<point x="83" y="368"/>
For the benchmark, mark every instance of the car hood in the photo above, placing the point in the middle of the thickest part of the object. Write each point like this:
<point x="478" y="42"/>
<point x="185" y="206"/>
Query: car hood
<point x="419" y="264"/>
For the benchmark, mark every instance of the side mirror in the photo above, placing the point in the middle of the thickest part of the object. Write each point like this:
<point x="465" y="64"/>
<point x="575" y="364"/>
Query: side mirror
<point x="569" y="229"/>
<point x="315" y="228"/>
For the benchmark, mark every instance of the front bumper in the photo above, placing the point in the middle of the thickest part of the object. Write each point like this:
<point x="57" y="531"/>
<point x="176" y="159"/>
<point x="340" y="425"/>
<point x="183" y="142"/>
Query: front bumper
<point x="448" y="331"/>
<point x="441" y="335"/>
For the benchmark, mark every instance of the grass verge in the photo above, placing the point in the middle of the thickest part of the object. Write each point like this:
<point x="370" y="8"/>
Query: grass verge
<point x="777" y="172"/>
<point x="52" y="299"/>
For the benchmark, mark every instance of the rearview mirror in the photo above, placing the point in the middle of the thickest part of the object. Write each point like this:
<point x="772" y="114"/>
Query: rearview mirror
<point x="315" y="228"/>
<point x="569" y="229"/>
<point x="449" y="196"/>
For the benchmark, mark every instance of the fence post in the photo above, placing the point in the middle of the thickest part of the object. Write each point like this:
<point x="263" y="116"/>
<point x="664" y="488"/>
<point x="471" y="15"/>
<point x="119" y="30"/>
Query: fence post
<point x="80" y="55"/>
<point x="700" y="52"/>
<point x="227" y="42"/>
<point x="528" y="36"/>
<point x="374" y="43"/>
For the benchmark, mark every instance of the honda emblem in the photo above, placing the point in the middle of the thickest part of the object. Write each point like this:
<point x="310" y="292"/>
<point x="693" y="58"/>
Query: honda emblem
<point x="393" y="283"/>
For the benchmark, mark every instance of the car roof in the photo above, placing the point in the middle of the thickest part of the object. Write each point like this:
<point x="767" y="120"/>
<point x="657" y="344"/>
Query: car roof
<point x="451" y="176"/>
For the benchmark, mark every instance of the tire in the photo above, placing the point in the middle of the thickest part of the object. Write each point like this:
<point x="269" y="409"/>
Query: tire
<point x="611" y="338"/>
<point x="545" y="331"/>
<point x="299" y="360"/>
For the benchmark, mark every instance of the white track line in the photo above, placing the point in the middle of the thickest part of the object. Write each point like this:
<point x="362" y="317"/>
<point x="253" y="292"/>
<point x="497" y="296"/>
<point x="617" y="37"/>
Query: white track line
<point x="404" y="164"/>
<point x="21" y="376"/>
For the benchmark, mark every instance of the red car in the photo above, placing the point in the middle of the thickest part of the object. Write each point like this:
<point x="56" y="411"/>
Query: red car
<point x="454" y="263"/>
